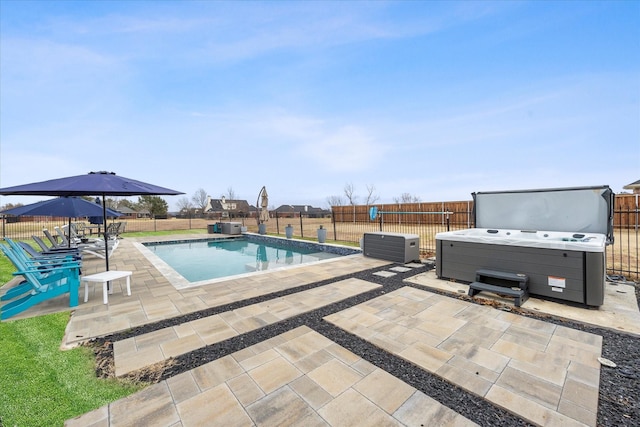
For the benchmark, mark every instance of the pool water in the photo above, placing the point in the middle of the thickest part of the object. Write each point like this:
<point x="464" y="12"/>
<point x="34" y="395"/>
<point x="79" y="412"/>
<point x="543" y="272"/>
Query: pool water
<point x="202" y="260"/>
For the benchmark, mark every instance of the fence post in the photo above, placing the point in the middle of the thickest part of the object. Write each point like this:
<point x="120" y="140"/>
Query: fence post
<point x="301" y="227"/>
<point x="335" y="233"/>
<point x="636" y="224"/>
<point x="447" y="213"/>
<point x="277" y="224"/>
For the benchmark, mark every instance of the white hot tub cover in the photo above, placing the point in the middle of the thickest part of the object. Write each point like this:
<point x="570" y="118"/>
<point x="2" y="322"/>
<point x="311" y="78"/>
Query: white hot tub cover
<point x="575" y="210"/>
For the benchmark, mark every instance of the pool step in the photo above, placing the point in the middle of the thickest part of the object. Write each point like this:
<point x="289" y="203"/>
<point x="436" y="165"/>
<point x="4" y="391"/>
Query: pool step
<point x="514" y="285"/>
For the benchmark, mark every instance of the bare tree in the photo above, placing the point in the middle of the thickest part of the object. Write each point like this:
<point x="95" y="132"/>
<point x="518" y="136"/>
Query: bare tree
<point x="184" y="205"/>
<point x="406" y="198"/>
<point x="112" y="203"/>
<point x="335" y="201"/>
<point x="349" y="192"/>
<point x="231" y="195"/>
<point x="11" y="206"/>
<point x="371" y="197"/>
<point x="200" y="199"/>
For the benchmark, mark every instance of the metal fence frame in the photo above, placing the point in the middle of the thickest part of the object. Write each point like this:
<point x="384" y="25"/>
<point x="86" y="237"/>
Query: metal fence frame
<point x="622" y="256"/>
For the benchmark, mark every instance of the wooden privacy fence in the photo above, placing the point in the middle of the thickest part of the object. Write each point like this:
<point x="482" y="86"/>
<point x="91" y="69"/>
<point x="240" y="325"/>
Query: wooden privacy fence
<point x="461" y="212"/>
<point x="627" y="211"/>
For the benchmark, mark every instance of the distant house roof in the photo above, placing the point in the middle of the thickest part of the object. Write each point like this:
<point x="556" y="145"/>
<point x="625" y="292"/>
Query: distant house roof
<point x="305" y="209"/>
<point x="635" y="186"/>
<point x="224" y="205"/>
<point x="127" y="211"/>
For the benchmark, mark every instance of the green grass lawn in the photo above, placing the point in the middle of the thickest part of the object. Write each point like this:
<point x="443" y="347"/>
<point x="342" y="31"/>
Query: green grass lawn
<point x="41" y="385"/>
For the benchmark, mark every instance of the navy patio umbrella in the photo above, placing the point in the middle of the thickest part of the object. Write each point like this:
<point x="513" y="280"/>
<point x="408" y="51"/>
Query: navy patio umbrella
<point x="92" y="184"/>
<point x="70" y="207"/>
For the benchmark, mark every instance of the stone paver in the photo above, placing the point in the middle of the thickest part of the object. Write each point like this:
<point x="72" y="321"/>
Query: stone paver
<point x="266" y="384"/>
<point x="400" y="269"/>
<point x="385" y="274"/>
<point x="144" y="350"/>
<point x="524" y="365"/>
<point x="414" y="265"/>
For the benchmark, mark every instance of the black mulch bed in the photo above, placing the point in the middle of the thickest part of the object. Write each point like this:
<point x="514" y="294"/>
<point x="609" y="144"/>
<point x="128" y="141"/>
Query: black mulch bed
<point x="618" y="405"/>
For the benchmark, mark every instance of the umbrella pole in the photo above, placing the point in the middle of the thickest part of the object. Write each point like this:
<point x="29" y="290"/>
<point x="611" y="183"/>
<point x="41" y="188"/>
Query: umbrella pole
<point x="104" y="222"/>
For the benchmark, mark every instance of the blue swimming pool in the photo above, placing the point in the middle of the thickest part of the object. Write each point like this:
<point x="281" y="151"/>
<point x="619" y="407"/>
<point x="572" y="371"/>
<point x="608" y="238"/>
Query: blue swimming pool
<point x="206" y="259"/>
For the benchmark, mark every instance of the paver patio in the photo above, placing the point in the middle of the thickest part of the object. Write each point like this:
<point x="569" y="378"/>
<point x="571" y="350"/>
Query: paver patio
<point x="545" y="373"/>
<point x="541" y="372"/>
<point x="144" y="350"/>
<point x="296" y="378"/>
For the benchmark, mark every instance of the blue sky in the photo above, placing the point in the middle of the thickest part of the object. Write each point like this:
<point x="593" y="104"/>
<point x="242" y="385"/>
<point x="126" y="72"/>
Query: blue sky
<point x="434" y="99"/>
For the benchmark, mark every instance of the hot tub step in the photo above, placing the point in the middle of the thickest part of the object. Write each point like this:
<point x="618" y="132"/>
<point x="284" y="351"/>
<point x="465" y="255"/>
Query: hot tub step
<point x="501" y="282"/>
<point x="519" y="294"/>
<point x="505" y="278"/>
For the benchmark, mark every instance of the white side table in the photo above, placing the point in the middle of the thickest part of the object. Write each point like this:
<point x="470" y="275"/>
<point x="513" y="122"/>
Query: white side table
<point x="104" y="278"/>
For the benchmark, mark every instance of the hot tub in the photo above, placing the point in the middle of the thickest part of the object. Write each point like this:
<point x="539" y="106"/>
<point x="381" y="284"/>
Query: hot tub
<point x="567" y="265"/>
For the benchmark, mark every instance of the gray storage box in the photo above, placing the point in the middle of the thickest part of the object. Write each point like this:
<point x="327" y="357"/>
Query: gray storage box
<point x="231" y="228"/>
<point x="392" y="246"/>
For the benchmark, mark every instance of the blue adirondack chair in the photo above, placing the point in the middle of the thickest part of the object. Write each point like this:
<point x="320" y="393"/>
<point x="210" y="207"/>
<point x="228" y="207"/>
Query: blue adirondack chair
<point x="42" y="281"/>
<point x="29" y="255"/>
<point x="30" y="258"/>
<point x="51" y="250"/>
<point x="20" y="259"/>
<point x="22" y="262"/>
<point x="35" y="255"/>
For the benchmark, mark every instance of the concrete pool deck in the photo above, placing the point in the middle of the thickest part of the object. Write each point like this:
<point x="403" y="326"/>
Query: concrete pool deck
<point x="305" y="378"/>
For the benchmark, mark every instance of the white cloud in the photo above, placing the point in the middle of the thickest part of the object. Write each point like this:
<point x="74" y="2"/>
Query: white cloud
<point x="213" y="32"/>
<point x="346" y="149"/>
